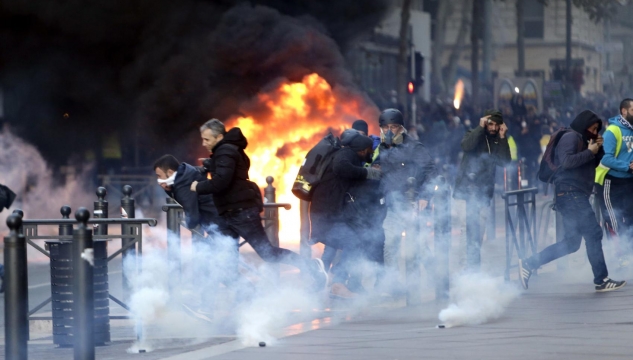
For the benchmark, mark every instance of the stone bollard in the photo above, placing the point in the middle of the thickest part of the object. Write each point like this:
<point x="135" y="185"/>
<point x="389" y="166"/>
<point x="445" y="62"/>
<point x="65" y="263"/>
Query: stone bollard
<point x="83" y="288"/>
<point x="127" y="212"/>
<point x="16" y="311"/>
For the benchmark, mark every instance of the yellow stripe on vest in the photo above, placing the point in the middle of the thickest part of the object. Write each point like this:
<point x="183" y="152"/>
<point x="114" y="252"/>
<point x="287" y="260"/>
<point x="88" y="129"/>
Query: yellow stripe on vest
<point x="602" y="170"/>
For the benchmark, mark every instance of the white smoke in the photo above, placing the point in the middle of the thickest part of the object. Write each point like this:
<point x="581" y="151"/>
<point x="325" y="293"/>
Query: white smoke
<point x="476" y="299"/>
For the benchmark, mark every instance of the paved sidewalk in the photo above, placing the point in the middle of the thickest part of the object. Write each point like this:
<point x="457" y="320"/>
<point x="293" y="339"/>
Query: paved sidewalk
<point x="552" y="320"/>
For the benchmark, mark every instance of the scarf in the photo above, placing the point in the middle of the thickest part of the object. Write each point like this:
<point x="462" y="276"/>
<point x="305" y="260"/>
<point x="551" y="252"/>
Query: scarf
<point x="169" y="181"/>
<point x="625" y="123"/>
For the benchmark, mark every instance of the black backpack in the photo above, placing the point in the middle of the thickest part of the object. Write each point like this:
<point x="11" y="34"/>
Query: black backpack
<point x="548" y="167"/>
<point x="314" y="165"/>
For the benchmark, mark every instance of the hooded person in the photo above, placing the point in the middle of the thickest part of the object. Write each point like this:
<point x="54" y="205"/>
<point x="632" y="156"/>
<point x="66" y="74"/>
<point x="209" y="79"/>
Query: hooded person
<point x="485" y="148"/>
<point x="614" y="178"/>
<point x="239" y="200"/>
<point x="577" y="154"/>
<point x="363" y="128"/>
<point x="329" y="217"/>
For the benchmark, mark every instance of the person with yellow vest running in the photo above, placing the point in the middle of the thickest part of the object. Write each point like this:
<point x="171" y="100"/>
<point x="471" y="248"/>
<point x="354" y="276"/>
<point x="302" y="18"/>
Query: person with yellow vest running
<point x="614" y="177"/>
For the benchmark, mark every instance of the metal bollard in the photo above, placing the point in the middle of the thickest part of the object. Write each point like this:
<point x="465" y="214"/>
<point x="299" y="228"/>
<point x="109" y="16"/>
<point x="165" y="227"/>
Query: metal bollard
<point x="101" y="211"/>
<point x="83" y="289"/>
<point x="442" y="229"/>
<point x="174" y="216"/>
<point x="127" y="211"/>
<point x="19" y="213"/>
<point x="16" y="311"/>
<point x="412" y="249"/>
<point x="304" y="213"/>
<point x="271" y="224"/>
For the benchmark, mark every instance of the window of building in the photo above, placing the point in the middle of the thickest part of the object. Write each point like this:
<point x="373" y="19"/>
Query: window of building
<point x="534" y="15"/>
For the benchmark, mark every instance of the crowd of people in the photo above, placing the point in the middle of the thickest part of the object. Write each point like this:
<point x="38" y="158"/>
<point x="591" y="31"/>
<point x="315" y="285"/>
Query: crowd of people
<point x="362" y="203"/>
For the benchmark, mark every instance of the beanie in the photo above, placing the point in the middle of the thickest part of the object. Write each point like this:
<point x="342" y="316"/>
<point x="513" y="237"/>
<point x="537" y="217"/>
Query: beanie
<point x="360" y="143"/>
<point x="495" y="115"/>
<point x="361" y="125"/>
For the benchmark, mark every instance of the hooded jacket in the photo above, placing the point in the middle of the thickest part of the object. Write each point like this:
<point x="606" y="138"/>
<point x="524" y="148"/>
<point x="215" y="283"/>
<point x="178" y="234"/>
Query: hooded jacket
<point x="229" y="182"/>
<point x="577" y="163"/>
<point x="619" y="166"/>
<point x="482" y="153"/>
<point x="199" y="209"/>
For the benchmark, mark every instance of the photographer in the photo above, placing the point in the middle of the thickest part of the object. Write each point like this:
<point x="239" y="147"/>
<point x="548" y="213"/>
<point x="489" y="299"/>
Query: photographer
<point x="485" y="147"/>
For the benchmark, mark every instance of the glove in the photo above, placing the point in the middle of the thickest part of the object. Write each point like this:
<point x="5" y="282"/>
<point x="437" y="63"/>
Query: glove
<point x="373" y="174"/>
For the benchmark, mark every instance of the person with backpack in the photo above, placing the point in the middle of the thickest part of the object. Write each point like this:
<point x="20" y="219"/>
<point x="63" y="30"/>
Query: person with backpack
<point x="485" y="148"/>
<point x="576" y="152"/>
<point x="330" y="224"/>
<point x="239" y="200"/>
<point x="614" y="177"/>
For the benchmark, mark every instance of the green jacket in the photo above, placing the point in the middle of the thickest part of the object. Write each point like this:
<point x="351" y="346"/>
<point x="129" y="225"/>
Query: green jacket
<point x="482" y="153"/>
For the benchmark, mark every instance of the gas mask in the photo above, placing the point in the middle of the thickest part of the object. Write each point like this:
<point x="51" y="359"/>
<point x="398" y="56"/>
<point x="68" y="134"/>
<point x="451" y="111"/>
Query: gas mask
<point x="389" y="138"/>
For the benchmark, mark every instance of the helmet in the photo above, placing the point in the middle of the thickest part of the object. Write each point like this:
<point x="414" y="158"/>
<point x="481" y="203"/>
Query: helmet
<point x="391" y="116"/>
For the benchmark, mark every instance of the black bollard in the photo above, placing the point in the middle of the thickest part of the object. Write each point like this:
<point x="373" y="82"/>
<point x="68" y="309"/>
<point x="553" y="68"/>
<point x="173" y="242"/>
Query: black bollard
<point x="19" y="213"/>
<point x="83" y="294"/>
<point x="127" y="211"/>
<point x="65" y="229"/>
<point x="16" y="311"/>
<point x="174" y="216"/>
<point x="101" y="211"/>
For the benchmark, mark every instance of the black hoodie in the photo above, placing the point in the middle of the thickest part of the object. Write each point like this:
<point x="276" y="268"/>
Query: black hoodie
<point x="577" y="163"/>
<point x="229" y="175"/>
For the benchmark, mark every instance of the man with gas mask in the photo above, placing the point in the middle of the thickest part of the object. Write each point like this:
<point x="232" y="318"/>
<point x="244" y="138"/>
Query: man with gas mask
<point x="331" y="224"/>
<point x="577" y="154"/>
<point x="400" y="158"/>
<point x="485" y="147"/>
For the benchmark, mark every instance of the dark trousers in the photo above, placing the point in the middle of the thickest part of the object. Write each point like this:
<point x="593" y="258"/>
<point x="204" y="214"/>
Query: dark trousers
<point x="341" y="236"/>
<point x="247" y="223"/>
<point x="616" y="203"/>
<point x="579" y="221"/>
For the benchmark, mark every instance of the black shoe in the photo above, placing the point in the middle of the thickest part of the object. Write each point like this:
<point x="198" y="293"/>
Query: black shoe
<point x="609" y="285"/>
<point x="525" y="272"/>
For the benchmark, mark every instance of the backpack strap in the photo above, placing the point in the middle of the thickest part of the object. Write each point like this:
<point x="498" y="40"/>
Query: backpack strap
<point x="602" y="170"/>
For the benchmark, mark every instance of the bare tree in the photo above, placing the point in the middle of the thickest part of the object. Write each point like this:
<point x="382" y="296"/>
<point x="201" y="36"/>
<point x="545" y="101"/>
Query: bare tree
<point x="453" y="60"/>
<point x="439" y="42"/>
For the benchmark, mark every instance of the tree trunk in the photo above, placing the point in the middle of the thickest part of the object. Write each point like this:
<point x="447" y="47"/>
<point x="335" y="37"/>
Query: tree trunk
<point x="453" y="60"/>
<point x="568" y="23"/>
<point x="521" y="37"/>
<point x="439" y="42"/>
<point x="403" y="52"/>
<point x="474" y="55"/>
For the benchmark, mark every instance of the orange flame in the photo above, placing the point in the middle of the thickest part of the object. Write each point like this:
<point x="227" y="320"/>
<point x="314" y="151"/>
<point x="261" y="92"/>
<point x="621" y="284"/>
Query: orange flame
<point x="284" y="123"/>
<point x="459" y="94"/>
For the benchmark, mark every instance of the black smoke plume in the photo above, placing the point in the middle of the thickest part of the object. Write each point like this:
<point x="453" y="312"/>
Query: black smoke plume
<point x="151" y="71"/>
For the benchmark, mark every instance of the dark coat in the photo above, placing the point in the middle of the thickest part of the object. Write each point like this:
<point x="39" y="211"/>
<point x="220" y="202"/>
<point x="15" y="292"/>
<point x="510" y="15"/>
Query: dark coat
<point x="199" y="209"/>
<point x="328" y="197"/>
<point x="400" y="162"/>
<point x="229" y="182"/>
<point x="482" y="153"/>
<point x="577" y="168"/>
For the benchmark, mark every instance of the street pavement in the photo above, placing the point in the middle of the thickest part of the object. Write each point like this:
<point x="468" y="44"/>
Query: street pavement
<point x="559" y="317"/>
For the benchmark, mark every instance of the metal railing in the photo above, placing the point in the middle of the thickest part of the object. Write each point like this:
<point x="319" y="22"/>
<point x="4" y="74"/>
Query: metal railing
<point x="523" y="222"/>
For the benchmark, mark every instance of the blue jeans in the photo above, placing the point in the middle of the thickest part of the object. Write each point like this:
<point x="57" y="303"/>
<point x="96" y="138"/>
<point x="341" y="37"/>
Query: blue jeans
<point x="579" y="221"/>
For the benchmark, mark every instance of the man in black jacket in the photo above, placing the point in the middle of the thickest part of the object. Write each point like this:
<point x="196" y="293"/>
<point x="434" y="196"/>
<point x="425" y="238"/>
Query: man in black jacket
<point x="239" y="201"/>
<point x="485" y="148"/>
<point x="577" y="154"/>
<point x="333" y="224"/>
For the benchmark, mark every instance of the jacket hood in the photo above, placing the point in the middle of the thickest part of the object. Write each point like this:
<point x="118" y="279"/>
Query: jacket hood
<point x="584" y="120"/>
<point x="188" y="174"/>
<point x="234" y="137"/>
<point x="615" y="121"/>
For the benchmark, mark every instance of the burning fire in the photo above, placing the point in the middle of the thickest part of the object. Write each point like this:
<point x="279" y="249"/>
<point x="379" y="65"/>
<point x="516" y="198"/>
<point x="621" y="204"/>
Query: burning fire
<point x="459" y="94"/>
<point x="284" y="123"/>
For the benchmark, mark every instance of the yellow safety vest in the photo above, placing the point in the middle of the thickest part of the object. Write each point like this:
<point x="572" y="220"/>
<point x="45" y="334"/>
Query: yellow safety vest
<point x="514" y="154"/>
<point x="602" y="170"/>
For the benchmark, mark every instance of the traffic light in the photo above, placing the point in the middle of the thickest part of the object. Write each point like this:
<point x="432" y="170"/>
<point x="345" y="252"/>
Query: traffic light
<point x="411" y="87"/>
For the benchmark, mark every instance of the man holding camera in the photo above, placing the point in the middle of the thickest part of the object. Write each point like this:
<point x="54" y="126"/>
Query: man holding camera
<point x="485" y="147"/>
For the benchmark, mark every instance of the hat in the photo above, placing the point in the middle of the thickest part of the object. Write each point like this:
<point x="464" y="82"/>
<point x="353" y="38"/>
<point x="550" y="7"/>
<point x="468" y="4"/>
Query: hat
<point x="495" y="115"/>
<point x="361" y="125"/>
<point x="360" y="143"/>
<point x="391" y="116"/>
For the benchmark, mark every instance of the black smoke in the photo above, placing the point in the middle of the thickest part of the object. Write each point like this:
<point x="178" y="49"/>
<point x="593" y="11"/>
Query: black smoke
<point x="151" y="71"/>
